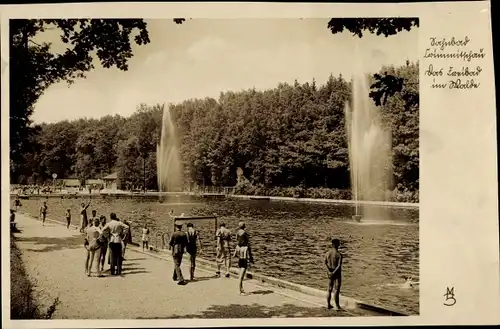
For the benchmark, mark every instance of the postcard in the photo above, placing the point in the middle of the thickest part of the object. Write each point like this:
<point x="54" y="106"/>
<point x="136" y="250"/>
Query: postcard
<point x="236" y="164"/>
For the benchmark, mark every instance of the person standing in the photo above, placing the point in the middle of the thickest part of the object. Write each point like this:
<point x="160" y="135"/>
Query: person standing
<point x="243" y="252"/>
<point x="68" y="218"/>
<point x="43" y="212"/>
<point x="83" y="216"/>
<point x="223" y="250"/>
<point x="333" y="262"/>
<point x="93" y="218"/>
<point x="104" y="243"/>
<point x="127" y="239"/>
<point x="115" y="231"/>
<point x="192" y="247"/>
<point x="92" y="234"/>
<point x="17" y="203"/>
<point x="145" y="237"/>
<point x="178" y="242"/>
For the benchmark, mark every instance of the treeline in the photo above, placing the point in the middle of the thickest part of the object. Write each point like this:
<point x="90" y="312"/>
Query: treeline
<point x="292" y="136"/>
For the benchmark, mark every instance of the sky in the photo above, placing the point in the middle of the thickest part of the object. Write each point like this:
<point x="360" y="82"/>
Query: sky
<point x="203" y="57"/>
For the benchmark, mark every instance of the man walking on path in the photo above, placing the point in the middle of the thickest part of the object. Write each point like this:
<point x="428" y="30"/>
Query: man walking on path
<point x="115" y="231"/>
<point x="192" y="247"/>
<point x="223" y="236"/>
<point x="333" y="262"/>
<point x="243" y="252"/>
<point x="178" y="242"/>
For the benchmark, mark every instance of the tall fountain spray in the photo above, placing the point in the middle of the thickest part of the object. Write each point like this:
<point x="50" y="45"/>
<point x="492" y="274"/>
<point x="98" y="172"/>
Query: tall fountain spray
<point x="169" y="169"/>
<point x="369" y="150"/>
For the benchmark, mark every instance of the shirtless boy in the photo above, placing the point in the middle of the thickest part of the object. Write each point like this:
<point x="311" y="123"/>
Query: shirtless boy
<point x="333" y="262"/>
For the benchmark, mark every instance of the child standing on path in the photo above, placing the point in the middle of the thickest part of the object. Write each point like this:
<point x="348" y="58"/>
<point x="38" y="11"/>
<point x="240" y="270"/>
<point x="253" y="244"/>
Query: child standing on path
<point x="68" y="218"/>
<point x="43" y="212"/>
<point x="243" y="252"/>
<point x="145" y="237"/>
<point x="333" y="262"/>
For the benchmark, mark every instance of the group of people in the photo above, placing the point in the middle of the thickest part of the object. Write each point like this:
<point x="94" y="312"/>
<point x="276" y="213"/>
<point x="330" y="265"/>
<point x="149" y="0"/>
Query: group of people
<point x="106" y="238"/>
<point x="101" y="239"/>
<point x="189" y="242"/>
<point x="111" y="238"/>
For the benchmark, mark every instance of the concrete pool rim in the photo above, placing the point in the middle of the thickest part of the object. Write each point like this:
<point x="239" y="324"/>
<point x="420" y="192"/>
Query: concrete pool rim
<point x="229" y="196"/>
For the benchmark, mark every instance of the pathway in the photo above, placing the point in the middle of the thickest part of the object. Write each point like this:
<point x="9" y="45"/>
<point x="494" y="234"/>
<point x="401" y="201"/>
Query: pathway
<point x="54" y="257"/>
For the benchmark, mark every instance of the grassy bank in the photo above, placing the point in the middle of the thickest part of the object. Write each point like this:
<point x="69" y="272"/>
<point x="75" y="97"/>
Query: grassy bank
<point x="318" y="193"/>
<point x="23" y="305"/>
<point x="22" y="301"/>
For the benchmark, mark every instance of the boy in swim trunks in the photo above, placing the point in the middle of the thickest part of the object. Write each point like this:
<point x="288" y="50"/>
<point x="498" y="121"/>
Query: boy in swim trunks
<point x="333" y="262"/>
<point x="92" y="244"/>
<point x="68" y="217"/>
<point x="43" y="212"/>
<point x="223" y="236"/>
<point x="243" y="252"/>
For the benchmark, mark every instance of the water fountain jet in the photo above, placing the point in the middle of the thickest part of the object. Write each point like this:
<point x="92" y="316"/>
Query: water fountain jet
<point x="369" y="144"/>
<point x="169" y="170"/>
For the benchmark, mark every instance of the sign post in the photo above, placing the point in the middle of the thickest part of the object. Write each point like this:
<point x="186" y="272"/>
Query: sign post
<point x="54" y="176"/>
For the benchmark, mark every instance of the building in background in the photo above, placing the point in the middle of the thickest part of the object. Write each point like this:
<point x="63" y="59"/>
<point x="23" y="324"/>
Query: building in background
<point x="111" y="181"/>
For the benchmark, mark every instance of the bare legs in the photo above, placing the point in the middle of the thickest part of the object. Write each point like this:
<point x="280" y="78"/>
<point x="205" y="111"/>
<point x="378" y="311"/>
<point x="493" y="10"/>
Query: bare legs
<point x="90" y="261"/>
<point x="334" y="287"/>
<point x="87" y="262"/>
<point x="223" y="258"/>
<point x="241" y="277"/>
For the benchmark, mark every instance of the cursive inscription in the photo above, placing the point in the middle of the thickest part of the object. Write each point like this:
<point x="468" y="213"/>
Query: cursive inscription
<point x="463" y="74"/>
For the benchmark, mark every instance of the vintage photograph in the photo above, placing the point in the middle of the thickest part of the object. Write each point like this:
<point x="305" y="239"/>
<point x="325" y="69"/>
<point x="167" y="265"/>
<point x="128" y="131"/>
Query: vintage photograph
<point x="195" y="168"/>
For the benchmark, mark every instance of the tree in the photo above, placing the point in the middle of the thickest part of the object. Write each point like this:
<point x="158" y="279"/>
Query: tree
<point x="379" y="26"/>
<point x="34" y="67"/>
<point x="385" y="85"/>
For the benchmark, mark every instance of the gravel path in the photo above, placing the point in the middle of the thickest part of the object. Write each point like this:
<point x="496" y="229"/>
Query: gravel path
<point x="54" y="258"/>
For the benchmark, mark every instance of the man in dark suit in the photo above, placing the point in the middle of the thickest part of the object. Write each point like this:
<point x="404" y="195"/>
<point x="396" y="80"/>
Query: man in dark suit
<point x="178" y="243"/>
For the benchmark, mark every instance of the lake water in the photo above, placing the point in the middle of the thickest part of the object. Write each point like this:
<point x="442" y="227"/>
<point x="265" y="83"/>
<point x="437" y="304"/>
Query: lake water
<point x="289" y="239"/>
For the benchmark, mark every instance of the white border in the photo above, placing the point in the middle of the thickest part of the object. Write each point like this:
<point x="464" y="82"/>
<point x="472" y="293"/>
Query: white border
<point x="458" y="175"/>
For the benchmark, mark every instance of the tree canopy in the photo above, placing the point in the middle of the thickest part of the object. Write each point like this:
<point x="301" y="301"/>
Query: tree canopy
<point x="256" y="131"/>
<point x="291" y="136"/>
<point x="34" y="66"/>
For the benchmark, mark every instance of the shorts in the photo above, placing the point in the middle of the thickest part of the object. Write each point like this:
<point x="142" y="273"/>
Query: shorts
<point x="223" y="253"/>
<point x="335" y="281"/>
<point x="94" y="245"/>
<point x="243" y="263"/>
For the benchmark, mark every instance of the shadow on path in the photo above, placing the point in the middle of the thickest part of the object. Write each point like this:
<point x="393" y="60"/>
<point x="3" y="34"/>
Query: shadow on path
<point x="47" y="244"/>
<point x="203" y="278"/>
<point x="261" y="292"/>
<point x="260" y="311"/>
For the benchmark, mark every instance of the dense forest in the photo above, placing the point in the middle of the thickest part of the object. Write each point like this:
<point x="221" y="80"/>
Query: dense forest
<point x="290" y="140"/>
